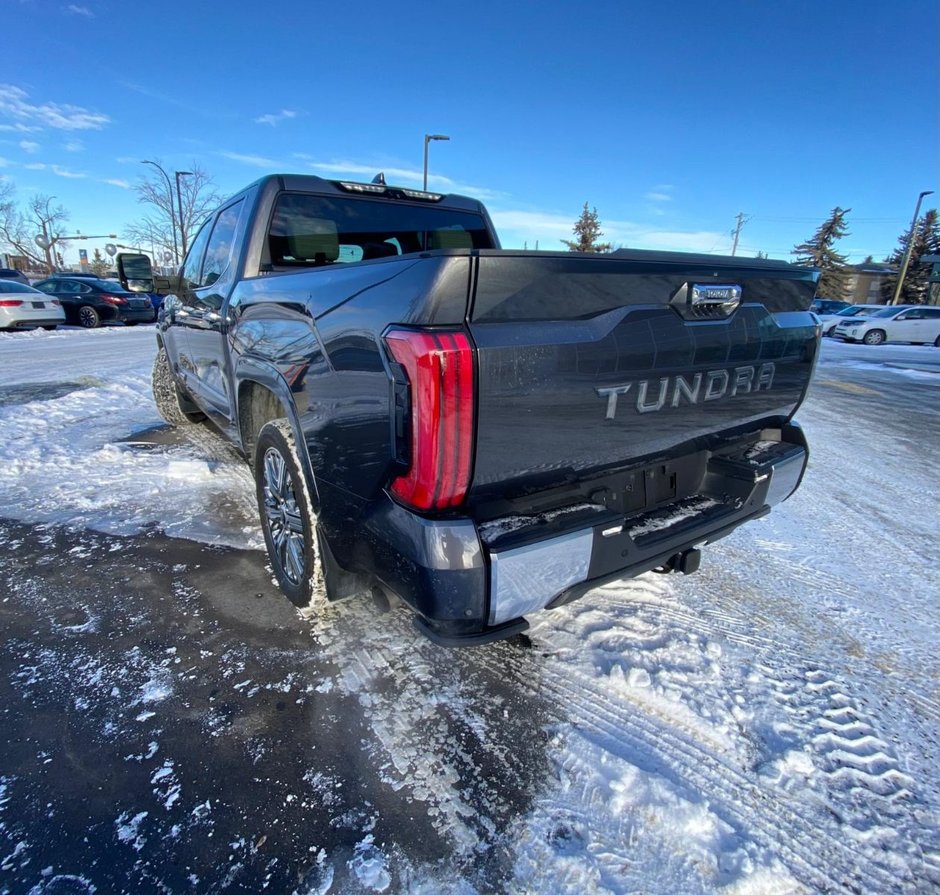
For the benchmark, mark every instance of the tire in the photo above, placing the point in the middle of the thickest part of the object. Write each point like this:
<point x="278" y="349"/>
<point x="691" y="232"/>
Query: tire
<point x="166" y="393"/>
<point x="287" y="516"/>
<point x="88" y="317"/>
<point x="936" y="343"/>
<point x="874" y="337"/>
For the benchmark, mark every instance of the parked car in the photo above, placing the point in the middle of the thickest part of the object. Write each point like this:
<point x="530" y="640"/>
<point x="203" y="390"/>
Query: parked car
<point x="22" y="307"/>
<point x="89" y="301"/>
<point x="17" y="276"/>
<point x="829" y="322"/>
<point x="900" y="323"/>
<point x="828" y="306"/>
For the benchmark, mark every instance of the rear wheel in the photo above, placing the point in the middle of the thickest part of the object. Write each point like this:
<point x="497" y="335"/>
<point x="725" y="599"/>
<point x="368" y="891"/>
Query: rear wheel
<point x="287" y="516"/>
<point x="166" y="393"/>
<point x="874" y="337"/>
<point x="88" y="317"/>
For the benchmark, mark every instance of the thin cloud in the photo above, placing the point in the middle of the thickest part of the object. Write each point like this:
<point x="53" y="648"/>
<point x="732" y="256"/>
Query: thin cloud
<point x="275" y="118"/>
<point x="654" y="196"/>
<point x="74" y="146"/>
<point x="548" y="228"/>
<point x="74" y="10"/>
<point x="123" y="184"/>
<point x="256" y="161"/>
<point x="29" y="146"/>
<point x="15" y="105"/>
<point x="18" y="129"/>
<point x="58" y="170"/>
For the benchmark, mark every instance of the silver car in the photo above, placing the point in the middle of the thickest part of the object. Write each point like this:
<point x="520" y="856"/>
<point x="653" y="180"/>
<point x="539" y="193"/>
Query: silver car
<point x="22" y="307"/>
<point x="899" y="323"/>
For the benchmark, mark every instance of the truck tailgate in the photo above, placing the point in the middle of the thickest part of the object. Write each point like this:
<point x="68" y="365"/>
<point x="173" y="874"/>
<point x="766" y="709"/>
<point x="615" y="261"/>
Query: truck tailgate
<point x="588" y="363"/>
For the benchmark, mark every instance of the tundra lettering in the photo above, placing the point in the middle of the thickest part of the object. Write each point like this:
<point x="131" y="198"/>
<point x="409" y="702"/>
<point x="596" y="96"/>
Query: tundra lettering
<point x="716" y="386"/>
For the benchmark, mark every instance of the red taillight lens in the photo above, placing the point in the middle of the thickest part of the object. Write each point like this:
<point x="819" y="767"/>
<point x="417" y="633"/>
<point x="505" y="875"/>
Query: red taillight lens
<point x="113" y="299"/>
<point x="56" y="301"/>
<point x="439" y="366"/>
<point x="10" y="303"/>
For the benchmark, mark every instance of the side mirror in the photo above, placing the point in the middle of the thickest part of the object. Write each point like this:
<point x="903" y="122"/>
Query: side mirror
<point x="135" y="272"/>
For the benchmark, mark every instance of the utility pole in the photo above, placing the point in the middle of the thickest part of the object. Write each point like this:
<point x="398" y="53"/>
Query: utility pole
<point x="742" y="219"/>
<point x="906" y="260"/>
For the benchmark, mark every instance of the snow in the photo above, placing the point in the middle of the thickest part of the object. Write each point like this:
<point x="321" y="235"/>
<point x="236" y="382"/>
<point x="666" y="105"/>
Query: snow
<point x="768" y="725"/>
<point x="69" y="459"/>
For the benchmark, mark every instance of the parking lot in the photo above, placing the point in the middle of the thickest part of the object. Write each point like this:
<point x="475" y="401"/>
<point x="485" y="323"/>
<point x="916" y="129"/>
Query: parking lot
<point x="171" y="723"/>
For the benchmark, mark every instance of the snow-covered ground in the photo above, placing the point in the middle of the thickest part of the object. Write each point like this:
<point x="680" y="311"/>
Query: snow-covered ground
<point x="768" y="725"/>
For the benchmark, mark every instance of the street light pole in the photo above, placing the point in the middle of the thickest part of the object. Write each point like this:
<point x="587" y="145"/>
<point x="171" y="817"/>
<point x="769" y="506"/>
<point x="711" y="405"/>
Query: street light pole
<point x="179" y="203"/>
<point x="169" y="193"/>
<point x="906" y="260"/>
<point x="427" y="139"/>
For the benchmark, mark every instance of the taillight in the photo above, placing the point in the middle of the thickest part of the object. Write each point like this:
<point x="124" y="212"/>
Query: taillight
<point x="439" y="367"/>
<point x="10" y="303"/>
<point x="113" y="299"/>
<point x="56" y="301"/>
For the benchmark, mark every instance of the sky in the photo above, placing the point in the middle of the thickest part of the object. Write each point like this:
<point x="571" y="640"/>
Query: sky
<point x="669" y="118"/>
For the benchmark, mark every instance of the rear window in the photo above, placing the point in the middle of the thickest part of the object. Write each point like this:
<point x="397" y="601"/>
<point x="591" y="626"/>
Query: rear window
<point x="309" y="229"/>
<point x="13" y="286"/>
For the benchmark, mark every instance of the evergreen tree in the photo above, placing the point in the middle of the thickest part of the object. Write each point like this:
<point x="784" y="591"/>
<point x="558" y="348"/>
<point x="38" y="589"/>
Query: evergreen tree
<point x="587" y="229"/>
<point x="99" y="266"/>
<point x="926" y="242"/>
<point x="820" y="252"/>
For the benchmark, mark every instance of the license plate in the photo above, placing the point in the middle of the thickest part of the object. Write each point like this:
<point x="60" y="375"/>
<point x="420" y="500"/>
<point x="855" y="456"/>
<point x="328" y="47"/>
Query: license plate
<point x="39" y="304"/>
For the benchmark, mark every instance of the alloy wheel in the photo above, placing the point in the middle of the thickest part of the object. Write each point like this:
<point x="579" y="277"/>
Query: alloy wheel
<point x="283" y="516"/>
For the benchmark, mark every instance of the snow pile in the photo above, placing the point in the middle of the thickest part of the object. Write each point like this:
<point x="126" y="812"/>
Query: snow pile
<point x="65" y="460"/>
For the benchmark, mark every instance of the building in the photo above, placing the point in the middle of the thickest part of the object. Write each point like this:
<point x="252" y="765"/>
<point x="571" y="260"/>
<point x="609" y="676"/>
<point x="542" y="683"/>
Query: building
<point x="865" y="281"/>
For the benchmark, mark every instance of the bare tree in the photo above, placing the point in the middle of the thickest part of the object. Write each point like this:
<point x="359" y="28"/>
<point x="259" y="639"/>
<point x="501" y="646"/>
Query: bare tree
<point x="156" y="228"/>
<point x="19" y="227"/>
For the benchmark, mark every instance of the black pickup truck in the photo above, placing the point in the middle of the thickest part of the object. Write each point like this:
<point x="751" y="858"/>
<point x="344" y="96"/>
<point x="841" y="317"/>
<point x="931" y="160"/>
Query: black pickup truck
<point x="483" y="433"/>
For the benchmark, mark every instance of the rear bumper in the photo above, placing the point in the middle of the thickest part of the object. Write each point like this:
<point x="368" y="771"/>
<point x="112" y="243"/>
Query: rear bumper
<point x="136" y="315"/>
<point x="473" y="583"/>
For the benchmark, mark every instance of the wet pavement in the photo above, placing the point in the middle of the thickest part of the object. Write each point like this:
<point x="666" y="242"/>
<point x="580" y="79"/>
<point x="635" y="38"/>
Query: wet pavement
<point x="170" y="723"/>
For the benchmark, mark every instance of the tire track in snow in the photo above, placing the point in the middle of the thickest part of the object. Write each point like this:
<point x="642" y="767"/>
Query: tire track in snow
<point x="816" y="856"/>
<point x="418" y="754"/>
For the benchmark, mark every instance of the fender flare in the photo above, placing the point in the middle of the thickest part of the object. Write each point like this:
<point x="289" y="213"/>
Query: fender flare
<point x="249" y="369"/>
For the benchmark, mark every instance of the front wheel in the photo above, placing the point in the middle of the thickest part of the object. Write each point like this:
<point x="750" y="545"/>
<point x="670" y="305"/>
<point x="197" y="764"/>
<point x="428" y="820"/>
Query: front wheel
<point x="287" y="516"/>
<point x="874" y="337"/>
<point x="88" y="317"/>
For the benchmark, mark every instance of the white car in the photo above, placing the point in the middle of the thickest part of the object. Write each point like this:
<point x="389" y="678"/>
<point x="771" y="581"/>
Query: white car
<point x="22" y="307"/>
<point x="899" y="323"/>
<point x="831" y="321"/>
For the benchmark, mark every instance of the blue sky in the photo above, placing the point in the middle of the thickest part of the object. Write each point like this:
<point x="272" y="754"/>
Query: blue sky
<point x="670" y="118"/>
